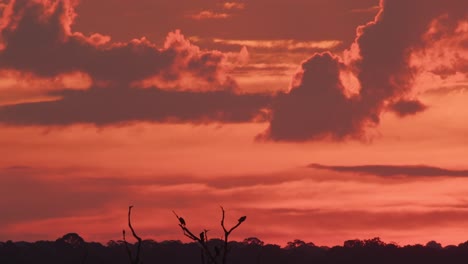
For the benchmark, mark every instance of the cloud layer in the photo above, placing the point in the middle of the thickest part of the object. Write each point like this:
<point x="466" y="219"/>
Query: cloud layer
<point x="44" y="203"/>
<point x="37" y="41"/>
<point x="333" y="97"/>
<point x="320" y="104"/>
<point x="37" y="37"/>
<point x="126" y="105"/>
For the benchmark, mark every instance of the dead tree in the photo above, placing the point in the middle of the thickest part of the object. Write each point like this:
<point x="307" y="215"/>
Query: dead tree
<point x="207" y="255"/>
<point x="227" y="233"/>
<point x="135" y="260"/>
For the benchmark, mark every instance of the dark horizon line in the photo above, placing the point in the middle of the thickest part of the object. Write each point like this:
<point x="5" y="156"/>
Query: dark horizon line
<point x="245" y="241"/>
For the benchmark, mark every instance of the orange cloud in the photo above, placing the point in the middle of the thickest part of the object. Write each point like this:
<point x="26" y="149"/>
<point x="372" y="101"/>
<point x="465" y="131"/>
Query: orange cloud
<point x="22" y="80"/>
<point x="202" y="80"/>
<point x="281" y="44"/>
<point x="233" y="5"/>
<point x="445" y="53"/>
<point x="20" y="87"/>
<point x="207" y="14"/>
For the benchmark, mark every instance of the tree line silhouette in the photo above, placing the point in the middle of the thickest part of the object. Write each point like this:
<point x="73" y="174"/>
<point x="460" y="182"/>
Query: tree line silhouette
<point x="73" y="249"/>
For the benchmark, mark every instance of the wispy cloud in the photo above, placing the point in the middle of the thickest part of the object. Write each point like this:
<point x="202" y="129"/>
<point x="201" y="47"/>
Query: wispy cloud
<point x="65" y="200"/>
<point x="207" y="14"/>
<point x="227" y="9"/>
<point x="394" y="170"/>
<point x="287" y="44"/>
<point x="233" y="5"/>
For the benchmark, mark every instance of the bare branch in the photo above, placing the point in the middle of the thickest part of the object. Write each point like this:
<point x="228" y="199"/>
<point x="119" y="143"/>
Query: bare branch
<point x="137" y="259"/>
<point x="227" y="233"/>
<point x="202" y="238"/>
<point x="130" y="223"/>
<point x="222" y="220"/>
<point x="199" y="239"/>
<point x="129" y="252"/>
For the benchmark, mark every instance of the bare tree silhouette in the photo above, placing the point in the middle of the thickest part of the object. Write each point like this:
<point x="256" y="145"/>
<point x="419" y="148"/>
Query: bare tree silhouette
<point x="228" y="232"/>
<point x="135" y="260"/>
<point x="220" y="254"/>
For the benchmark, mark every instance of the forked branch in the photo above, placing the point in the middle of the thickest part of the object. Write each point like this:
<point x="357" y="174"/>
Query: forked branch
<point x="227" y="233"/>
<point x="202" y="239"/>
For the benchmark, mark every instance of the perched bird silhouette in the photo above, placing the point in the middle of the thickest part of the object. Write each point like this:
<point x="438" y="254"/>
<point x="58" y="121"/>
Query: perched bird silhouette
<point x="202" y="236"/>
<point x="182" y="221"/>
<point x="242" y="219"/>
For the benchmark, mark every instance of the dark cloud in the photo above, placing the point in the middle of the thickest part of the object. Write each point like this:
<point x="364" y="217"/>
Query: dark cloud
<point x="407" y="107"/>
<point x="319" y="105"/>
<point x="394" y="170"/>
<point x="104" y="106"/>
<point x="37" y="38"/>
<point x="316" y="107"/>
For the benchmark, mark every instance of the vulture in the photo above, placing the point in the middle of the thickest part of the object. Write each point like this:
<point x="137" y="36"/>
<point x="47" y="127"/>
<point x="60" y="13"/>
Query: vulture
<point x="182" y="221"/>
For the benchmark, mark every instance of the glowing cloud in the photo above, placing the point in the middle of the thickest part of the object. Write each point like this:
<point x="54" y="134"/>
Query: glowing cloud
<point x="207" y="14"/>
<point x="282" y="44"/>
<point x="36" y="37"/>
<point x="330" y="97"/>
<point x="318" y="106"/>
<point x="233" y="5"/>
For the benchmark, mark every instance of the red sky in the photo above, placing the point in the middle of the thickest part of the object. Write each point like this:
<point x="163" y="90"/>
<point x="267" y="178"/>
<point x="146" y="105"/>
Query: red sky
<point x="319" y="120"/>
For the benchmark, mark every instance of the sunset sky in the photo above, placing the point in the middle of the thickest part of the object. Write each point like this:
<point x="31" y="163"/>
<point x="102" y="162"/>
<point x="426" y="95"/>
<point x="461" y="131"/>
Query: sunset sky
<point x="321" y="120"/>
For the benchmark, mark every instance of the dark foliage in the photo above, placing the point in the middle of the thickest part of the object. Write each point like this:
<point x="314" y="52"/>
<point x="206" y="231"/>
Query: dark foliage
<point x="71" y="248"/>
